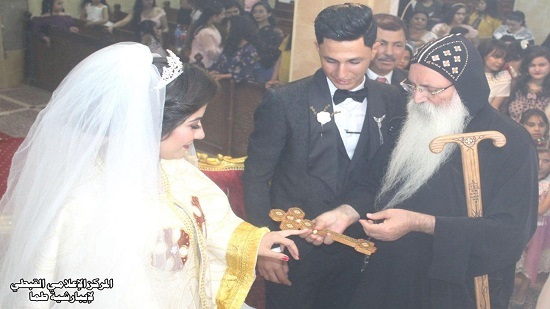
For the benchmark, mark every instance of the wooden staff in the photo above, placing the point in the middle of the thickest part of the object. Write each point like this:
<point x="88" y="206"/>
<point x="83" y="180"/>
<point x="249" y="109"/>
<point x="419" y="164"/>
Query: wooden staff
<point x="470" y="166"/>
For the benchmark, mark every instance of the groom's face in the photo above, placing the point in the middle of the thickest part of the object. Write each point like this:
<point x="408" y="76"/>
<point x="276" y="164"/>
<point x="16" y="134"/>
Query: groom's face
<point x="345" y="63"/>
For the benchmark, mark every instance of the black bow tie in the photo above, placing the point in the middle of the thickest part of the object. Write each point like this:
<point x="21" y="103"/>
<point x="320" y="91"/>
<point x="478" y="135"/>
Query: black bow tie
<point x="358" y="96"/>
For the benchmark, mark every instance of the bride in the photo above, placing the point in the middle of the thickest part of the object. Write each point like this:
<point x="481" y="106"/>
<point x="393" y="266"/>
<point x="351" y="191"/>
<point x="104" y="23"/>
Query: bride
<point x="101" y="191"/>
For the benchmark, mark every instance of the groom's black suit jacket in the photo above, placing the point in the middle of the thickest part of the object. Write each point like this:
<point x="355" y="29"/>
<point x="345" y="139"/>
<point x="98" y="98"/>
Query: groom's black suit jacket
<point x="293" y="160"/>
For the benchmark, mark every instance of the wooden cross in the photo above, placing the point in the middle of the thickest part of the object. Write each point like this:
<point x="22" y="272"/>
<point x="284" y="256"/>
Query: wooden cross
<point x="293" y="219"/>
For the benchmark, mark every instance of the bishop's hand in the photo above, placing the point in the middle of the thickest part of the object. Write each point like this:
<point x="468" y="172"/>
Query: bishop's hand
<point x="395" y="223"/>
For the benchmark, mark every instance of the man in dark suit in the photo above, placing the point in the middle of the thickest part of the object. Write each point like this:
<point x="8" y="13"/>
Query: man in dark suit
<point x="308" y="136"/>
<point x="391" y="37"/>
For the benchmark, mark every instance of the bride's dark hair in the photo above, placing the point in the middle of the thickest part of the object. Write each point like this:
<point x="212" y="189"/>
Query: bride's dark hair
<point x="190" y="91"/>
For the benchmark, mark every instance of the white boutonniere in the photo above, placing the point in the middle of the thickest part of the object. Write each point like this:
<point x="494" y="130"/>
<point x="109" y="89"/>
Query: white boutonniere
<point x="323" y="117"/>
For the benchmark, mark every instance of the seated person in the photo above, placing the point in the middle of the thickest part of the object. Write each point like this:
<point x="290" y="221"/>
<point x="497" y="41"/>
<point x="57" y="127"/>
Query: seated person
<point x="144" y="10"/>
<point x="53" y="15"/>
<point x="118" y="15"/>
<point x="239" y="57"/>
<point x="95" y="13"/>
<point x="516" y="27"/>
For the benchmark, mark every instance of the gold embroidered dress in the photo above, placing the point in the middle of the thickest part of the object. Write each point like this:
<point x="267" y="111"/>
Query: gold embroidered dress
<point x="205" y="255"/>
<point x="219" y="262"/>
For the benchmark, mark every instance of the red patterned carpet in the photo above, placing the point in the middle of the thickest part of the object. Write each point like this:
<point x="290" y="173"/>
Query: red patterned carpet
<point x="8" y="146"/>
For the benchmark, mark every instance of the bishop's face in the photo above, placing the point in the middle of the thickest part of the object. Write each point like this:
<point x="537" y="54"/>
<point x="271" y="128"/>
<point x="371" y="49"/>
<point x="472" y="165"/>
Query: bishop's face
<point x="429" y="80"/>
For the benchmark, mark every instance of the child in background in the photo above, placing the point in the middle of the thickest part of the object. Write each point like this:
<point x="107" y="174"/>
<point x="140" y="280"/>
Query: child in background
<point x="535" y="257"/>
<point x="149" y="37"/>
<point x="405" y="61"/>
<point x="494" y="53"/>
<point x="536" y="123"/>
<point x="95" y="13"/>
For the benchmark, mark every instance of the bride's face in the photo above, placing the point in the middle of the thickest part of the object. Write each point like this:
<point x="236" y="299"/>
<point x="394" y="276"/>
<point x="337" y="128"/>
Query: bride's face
<point x="176" y="144"/>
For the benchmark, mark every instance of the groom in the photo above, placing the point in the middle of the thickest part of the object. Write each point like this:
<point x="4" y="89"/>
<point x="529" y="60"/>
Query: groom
<point x="308" y="136"/>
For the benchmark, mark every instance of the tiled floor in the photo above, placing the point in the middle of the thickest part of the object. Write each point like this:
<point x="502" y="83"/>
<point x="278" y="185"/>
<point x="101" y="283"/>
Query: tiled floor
<point x="19" y="108"/>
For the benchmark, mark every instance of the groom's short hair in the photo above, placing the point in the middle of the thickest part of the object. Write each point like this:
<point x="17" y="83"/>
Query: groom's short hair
<point x="346" y="22"/>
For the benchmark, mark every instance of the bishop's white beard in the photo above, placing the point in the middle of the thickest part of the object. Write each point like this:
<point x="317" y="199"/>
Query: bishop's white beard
<point x="412" y="163"/>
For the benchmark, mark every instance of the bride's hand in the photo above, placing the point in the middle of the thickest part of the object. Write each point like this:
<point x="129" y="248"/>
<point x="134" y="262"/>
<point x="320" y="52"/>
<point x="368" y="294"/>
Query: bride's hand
<point x="279" y="237"/>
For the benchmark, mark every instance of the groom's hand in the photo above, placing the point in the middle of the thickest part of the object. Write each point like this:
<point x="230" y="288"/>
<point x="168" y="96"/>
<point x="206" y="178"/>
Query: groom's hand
<point x="336" y="220"/>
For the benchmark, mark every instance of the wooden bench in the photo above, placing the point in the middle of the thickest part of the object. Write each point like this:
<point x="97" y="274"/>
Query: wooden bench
<point x="67" y="49"/>
<point x="51" y="64"/>
<point x="228" y="120"/>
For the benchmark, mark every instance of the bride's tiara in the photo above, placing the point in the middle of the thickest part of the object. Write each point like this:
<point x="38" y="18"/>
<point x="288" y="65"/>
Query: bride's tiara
<point x="172" y="71"/>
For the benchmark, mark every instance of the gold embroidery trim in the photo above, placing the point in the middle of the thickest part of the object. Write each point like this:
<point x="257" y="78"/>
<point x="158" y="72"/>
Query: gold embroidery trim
<point x="241" y="258"/>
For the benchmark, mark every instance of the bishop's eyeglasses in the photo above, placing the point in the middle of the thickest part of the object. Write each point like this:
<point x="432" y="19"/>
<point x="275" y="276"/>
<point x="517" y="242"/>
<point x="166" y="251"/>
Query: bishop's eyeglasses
<point x="410" y="88"/>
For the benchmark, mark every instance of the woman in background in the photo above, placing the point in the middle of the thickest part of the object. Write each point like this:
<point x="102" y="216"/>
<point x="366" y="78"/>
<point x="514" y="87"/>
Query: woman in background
<point x="485" y="19"/>
<point x="454" y="17"/>
<point x="239" y="58"/>
<point x="149" y="38"/>
<point x="532" y="89"/>
<point x="493" y="53"/>
<point x="516" y="27"/>
<point x="418" y="34"/>
<point x="232" y="8"/>
<point x="432" y="8"/>
<point x="205" y="38"/>
<point x="268" y="40"/>
<point x="53" y="15"/>
<point x="145" y="10"/>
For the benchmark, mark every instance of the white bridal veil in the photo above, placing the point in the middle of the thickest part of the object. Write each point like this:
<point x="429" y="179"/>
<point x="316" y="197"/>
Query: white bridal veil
<point x="89" y="165"/>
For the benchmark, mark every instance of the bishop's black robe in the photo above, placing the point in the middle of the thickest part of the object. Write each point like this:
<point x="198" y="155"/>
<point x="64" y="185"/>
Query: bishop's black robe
<point x="437" y="271"/>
